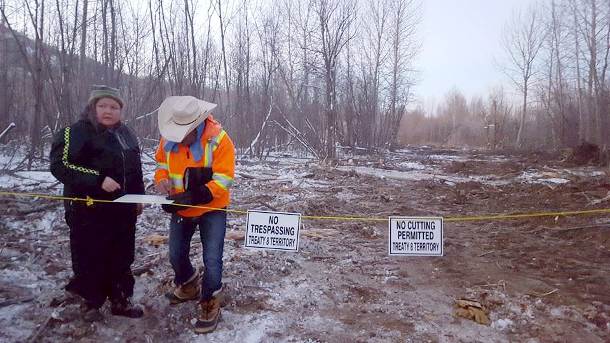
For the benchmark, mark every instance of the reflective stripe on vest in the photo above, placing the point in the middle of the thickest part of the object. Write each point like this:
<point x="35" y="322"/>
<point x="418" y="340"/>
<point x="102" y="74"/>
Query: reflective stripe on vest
<point x="162" y="166"/>
<point x="222" y="180"/>
<point x="210" y="147"/>
<point x="177" y="181"/>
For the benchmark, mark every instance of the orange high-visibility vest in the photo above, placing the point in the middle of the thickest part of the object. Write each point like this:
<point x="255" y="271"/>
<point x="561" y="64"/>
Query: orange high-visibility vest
<point x="218" y="153"/>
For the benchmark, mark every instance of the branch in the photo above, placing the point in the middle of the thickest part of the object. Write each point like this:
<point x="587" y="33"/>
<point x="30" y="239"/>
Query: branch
<point x="296" y="136"/>
<point x="7" y="130"/>
<point x="597" y="201"/>
<point x="255" y="140"/>
<point x="146" y="115"/>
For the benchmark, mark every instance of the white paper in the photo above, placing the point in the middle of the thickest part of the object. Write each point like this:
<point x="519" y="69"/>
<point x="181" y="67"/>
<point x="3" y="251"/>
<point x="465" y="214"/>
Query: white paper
<point x="144" y="198"/>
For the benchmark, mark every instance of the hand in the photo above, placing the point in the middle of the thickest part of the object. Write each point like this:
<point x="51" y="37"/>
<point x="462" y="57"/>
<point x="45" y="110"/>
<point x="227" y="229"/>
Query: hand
<point x="109" y="185"/>
<point x="184" y="198"/>
<point x="169" y="208"/>
<point x="203" y="195"/>
<point x="163" y="187"/>
<point x="139" y="209"/>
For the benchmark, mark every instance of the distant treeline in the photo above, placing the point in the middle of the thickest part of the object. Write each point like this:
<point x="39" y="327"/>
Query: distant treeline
<point x="556" y="54"/>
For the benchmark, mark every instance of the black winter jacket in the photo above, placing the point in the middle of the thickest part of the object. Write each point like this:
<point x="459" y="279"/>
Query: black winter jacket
<point x="83" y="156"/>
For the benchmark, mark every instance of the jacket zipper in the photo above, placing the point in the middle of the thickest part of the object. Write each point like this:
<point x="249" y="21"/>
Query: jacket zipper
<point x="124" y="177"/>
<point x="123" y="146"/>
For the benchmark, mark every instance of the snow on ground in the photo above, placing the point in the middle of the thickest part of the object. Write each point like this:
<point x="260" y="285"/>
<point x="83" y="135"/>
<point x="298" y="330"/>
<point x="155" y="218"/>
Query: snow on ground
<point x="341" y="286"/>
<point x="26" y="181"/>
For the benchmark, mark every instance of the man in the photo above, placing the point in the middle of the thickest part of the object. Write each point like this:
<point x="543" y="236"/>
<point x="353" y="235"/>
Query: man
<point x="195" y="166"/>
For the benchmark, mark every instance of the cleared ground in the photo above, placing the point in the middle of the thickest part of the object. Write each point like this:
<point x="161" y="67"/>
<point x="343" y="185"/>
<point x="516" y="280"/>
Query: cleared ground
<point x="542" y="278"/>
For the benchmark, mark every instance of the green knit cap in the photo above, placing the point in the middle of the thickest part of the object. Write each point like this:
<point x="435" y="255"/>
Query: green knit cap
<point x="101" y="91"/>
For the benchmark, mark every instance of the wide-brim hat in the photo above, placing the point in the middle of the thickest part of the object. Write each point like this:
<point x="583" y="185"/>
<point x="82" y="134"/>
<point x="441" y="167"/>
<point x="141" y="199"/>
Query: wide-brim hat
<point x="179" y="115"/>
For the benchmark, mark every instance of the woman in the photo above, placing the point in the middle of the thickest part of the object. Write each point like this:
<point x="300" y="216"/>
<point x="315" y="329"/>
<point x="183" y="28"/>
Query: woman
<point x="98" y="158"/>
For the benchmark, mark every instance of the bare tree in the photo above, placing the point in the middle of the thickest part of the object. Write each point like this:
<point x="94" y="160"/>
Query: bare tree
<point x="553" y="94"/>
<point x="497" y="118"/>
<point x="594" y="27"/>
<point x="36" y="14"/>
<point x="83" y="48"/>
<point x="61" y="79"/>
<point x="522" y="39"/>
<point x="376" y="49"/>
<point x="454" y="114"/>
<point x="582" y="117"/>
<point x="250" y="116"/>
<point x="334" y="18"/>
<point x="7" y="78"/>
<point x="223" y="27"/>
<point x="301" y="116"/>
<point x="404" y="48"/>
<point x="189" y="13"/>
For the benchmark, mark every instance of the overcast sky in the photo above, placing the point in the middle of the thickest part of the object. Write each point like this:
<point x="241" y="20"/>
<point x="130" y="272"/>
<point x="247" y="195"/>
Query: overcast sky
<point x="460" y="40"/>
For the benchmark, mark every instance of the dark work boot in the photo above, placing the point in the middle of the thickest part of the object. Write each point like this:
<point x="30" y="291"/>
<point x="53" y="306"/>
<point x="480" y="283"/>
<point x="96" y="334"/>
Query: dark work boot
<point x="124" y="307"/>
<point x="90" y="313"/>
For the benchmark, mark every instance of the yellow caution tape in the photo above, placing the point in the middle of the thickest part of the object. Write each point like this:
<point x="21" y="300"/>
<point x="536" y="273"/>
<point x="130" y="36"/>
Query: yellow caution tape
<point x="90" y="202"/>
<point x="529" y="215"/>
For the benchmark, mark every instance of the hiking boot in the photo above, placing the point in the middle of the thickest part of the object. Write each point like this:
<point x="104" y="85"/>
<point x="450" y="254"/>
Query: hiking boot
<point x="209" y="314"/>
<point x="219" y="293"/>
<point x="124" y="307"/>
<point x="190" y="290"/>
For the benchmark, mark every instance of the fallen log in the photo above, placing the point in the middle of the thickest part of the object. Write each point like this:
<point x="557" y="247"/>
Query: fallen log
<point x="40" y="330"/>
<point x="10" y="302"/>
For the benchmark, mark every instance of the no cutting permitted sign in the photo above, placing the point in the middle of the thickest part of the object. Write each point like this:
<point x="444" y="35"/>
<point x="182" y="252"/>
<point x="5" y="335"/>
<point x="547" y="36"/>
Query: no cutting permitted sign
<point x="416" y="236"/>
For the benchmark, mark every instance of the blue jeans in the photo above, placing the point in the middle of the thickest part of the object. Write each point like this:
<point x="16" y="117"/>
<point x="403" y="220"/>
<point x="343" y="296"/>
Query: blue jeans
<point x="212" y="228"/>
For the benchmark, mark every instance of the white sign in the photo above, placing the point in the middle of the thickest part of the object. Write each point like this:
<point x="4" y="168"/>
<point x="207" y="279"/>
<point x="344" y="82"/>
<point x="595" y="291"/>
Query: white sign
<point x="144" y="198"/>
<point x="416" y="236"/>
<point x="273" y="230"/>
